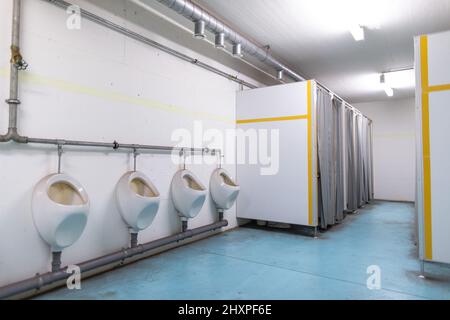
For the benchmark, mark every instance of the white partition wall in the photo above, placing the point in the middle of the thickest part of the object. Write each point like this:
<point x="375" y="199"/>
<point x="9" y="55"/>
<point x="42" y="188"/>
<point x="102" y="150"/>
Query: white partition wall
<point x="305" y="127"/>
<point x="287" y="193"/>
<point x="432" y="53"/>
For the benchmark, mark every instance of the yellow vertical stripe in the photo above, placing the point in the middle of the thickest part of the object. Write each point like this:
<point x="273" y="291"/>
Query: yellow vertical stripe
<point x="426" y="148"/>
<point x="310" y="153"/>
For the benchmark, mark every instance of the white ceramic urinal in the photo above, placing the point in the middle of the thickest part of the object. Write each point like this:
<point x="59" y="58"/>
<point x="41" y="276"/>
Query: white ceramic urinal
<point x="60" y="207"/>
<point x="138" y="200"/>
<point x="188" y="194"/>
<point x="224" y="190"/>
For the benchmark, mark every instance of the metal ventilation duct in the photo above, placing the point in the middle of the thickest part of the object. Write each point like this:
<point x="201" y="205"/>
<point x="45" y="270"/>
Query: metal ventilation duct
<point x="197" y="14"/>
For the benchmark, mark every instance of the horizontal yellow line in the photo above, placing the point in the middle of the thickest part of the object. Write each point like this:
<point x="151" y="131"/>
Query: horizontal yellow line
<point x="115" y="96"/>
<point x="300" y="117"/>
<point x="443" y="87"/>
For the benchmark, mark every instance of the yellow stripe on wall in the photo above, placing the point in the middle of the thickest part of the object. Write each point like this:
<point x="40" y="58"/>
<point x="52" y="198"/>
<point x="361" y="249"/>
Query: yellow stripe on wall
<point x="310" y="153"/>
<point x="426" y="149"/>
<point x="443" y="87"/>
<point x="289" y="118"/>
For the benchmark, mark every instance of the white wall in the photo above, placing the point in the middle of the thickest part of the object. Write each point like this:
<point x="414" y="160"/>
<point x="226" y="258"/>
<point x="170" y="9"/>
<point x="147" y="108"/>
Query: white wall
<point x="95" y="84"/>
<point x="394" y="148"/>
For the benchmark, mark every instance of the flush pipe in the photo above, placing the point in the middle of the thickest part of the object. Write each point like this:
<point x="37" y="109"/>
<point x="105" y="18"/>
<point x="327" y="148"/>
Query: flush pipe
<point x="184" y="220"/>
<point x="133" y="233"/>
<point x="119" y="258"/>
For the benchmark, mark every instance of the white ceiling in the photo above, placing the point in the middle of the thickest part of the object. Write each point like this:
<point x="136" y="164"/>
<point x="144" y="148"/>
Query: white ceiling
<point x="312" y="37"/>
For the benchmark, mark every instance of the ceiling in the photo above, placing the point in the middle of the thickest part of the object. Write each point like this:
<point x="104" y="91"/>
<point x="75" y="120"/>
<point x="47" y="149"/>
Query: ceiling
<point x="313" y="37"/>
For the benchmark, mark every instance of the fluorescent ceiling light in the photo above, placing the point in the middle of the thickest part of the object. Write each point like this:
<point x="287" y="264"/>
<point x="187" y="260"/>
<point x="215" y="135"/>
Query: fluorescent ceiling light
<point x="389" y="91"/>
<point x="333" y="17"/>
<point x="386" y="87"/>
<point x="400" y="79"/>
<point x="357" y="32"/>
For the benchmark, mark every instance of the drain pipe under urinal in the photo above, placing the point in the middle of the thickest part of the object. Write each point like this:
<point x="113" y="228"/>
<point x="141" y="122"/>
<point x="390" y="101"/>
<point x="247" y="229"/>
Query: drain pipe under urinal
<point x="220" y="212"/>
<point x="56" y="261"/>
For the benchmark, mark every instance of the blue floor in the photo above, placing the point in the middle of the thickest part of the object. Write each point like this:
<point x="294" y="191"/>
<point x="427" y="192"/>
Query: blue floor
<point x="258" y="264"/>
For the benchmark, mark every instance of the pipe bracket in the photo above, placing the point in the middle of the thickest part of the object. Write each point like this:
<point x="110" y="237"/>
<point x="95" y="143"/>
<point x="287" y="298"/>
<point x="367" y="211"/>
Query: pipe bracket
<point x="12" y="101"/>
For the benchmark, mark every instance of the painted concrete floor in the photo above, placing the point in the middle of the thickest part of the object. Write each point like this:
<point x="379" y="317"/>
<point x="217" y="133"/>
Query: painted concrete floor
<point x="257" y="264"/>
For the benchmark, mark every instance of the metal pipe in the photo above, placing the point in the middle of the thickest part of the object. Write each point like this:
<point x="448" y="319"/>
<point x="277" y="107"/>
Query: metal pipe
<point x="136" y="36"/>
<point x="133" y="240"/>
<point x="56" y="261"/>
<point x="49" y="278"/>
<point x="13" y="100"/>
<point x="195" y="13"/>
<point x="235" y="52"/>
<point x="199" y="31"/>
<point x="114" y="145"/>
<point x="184" y="225"/>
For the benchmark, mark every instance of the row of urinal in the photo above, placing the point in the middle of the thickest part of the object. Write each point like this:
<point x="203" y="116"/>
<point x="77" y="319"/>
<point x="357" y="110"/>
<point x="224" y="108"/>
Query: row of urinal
<point x="60" y="204"/>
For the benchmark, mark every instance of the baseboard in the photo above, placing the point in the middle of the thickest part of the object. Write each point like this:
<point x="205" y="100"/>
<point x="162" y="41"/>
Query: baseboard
<point x="395" y="201"/>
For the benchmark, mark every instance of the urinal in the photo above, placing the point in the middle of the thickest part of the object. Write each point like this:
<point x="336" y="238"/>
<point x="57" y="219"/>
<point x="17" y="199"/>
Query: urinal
<point x="138" y="200"/>
<point x="188" y="194"/>
<point x="224" y="190"/>
<point x="60" y="207"/>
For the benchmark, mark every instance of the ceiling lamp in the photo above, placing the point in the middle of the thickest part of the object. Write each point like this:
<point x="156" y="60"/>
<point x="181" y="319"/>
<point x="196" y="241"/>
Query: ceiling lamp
<point x="280" y="74"/>
<point x="401" y="79"/>
<point x="357" y="32"/>
<point x="389" y="91"/>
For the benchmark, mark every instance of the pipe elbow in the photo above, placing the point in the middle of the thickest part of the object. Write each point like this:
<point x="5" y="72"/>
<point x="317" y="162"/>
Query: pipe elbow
<point x="13" y="135"/>
<point x="16" y="137"/>
<point x="20" y="139"/>
<point x="4" y="138"/>
<point x="7" y="137"/>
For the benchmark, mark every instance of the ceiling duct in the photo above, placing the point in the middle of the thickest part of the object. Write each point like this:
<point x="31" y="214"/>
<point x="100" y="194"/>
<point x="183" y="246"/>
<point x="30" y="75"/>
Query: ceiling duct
<point x="194" y="13"/>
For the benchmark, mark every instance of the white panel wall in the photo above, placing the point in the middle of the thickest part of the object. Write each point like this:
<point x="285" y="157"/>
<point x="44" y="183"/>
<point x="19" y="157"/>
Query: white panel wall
<point x="282" y="196"/>
<point x="394" y="148"/>
<point x="439" y="59"/>
<point x="433" y="101"/>
<point x="94" y="84"/>
<point x="440" y="174"/>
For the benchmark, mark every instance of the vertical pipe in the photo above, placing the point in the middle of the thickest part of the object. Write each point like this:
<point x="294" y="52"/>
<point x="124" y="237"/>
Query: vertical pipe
<point x="60" y="151"/>
<point x="13" y="100"/>
<point x="220" y="212"/>
<point x="135" y="154"/>
<point x="184" y="225"/>
<point x="56" y="261"/>
<point x="134" y="240"/>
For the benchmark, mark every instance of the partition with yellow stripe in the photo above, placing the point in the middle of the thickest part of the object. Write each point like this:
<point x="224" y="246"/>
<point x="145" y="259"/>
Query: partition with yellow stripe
<point x="288" y="194"/>
<point x="432" y="53"/>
